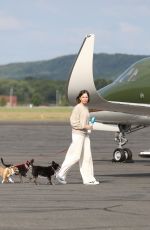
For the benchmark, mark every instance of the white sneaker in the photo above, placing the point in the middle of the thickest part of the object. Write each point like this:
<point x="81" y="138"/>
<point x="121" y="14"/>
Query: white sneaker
<point x="92" y="183"/>
<point x="61" y="179"/>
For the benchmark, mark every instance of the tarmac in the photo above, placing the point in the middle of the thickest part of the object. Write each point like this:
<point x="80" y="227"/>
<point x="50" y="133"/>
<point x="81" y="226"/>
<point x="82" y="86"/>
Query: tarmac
<point x="120" y="202"/>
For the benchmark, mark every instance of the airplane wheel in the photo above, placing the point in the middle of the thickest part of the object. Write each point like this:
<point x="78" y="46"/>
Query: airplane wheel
<point x="119" y="155"/>
<point x="128" y="154"/>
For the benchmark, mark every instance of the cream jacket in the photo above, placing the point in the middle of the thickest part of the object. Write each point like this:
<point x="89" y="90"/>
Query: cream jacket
<point x="79" y="118"/>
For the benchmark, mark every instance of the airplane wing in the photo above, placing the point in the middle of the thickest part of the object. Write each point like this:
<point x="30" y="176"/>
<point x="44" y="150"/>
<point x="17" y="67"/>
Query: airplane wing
<point x="81" y="77"/>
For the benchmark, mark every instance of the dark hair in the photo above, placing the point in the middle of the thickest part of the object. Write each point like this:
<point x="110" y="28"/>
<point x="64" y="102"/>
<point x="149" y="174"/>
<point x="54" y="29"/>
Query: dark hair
<point x="80" y="94"/>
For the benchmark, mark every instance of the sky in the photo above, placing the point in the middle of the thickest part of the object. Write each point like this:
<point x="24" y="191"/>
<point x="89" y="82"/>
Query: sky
<point x="35" y="30"/>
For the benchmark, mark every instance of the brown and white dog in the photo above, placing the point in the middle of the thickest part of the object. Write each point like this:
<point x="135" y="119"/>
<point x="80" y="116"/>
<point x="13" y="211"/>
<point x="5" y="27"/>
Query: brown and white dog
<point x="6" y="173"/>
<point x="23" y="168"/>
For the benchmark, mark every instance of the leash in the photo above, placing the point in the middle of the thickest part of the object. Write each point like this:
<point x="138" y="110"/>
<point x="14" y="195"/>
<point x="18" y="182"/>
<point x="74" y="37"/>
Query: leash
<point x="62" y="151"/>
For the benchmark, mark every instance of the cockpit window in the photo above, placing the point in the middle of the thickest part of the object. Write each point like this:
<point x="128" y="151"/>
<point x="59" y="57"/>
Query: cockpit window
<point x="129" y="75"/>
<point x="136" y="71"/>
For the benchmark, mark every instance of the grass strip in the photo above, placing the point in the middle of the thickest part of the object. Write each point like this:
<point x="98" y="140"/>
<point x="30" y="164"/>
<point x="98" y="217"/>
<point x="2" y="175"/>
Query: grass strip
<point x="51" y="113"/>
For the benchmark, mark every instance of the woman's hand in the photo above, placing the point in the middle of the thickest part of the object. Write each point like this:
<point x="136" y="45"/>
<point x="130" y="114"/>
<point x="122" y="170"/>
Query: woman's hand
<point x="88" y="127"/>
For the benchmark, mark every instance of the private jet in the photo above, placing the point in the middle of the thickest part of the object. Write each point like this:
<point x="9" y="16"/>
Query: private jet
<point x="122" y="106"/>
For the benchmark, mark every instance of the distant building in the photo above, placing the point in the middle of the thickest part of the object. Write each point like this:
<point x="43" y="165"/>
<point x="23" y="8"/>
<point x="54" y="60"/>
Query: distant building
<point x="8" y="100"/>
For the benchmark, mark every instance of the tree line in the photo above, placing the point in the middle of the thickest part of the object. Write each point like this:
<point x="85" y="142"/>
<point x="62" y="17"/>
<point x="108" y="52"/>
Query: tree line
<point x="39" y="92"/>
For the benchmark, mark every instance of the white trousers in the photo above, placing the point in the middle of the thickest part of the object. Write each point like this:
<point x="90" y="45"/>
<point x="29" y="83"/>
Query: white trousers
<point x="79" y="151"/>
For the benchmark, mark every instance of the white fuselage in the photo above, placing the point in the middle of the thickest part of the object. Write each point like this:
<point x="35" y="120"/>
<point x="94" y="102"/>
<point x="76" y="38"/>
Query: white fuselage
<point x="122" y="118"/>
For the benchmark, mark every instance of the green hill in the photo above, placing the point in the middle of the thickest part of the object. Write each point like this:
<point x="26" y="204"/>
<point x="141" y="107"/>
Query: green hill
<point x="106" y="66"/>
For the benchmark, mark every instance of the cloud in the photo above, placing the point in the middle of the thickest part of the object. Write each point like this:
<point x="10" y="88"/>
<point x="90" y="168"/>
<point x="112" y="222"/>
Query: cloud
<point x="48" y="6"/>
<point x="129" y="28"/>
<point x="9" y="23"/>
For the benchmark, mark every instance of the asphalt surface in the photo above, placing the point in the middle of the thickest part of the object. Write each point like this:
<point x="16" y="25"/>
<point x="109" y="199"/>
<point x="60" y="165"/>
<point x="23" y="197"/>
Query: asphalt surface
<point x="120" y="202"/>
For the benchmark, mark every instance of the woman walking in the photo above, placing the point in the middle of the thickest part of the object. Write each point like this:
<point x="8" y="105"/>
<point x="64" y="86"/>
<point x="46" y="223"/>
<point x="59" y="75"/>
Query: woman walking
<point x="80" y="148"/>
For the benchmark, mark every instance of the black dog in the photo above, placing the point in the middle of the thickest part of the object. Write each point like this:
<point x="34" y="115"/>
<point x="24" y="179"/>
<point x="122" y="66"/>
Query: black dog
<point x="23" y="168"/>
<point x="44" y="171"/>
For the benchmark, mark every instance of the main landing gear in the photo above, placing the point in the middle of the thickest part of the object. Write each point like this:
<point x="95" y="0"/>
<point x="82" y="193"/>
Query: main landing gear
<point x="121" y="154"/>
